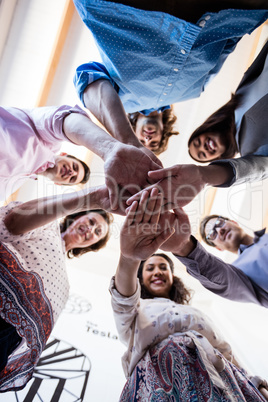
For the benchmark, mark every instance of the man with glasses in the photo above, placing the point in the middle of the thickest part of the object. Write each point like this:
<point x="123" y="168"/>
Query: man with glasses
<point x="246" y="279"/>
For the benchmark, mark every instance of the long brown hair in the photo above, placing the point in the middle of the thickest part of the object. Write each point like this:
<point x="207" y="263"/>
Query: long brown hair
<point x="69" y="219"/>
<point x="178" y="293"/>
<point x="223" y="122"/>
<point x="169" y="119"/>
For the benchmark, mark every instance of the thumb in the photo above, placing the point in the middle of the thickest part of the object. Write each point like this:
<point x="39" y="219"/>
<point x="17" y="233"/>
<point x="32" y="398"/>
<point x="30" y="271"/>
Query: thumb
<point x="113" y="195"/>
<point x="159" y="174"/>
<point x="164" y="236"/>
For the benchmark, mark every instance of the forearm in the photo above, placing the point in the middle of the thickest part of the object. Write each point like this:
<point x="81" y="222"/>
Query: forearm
<point x="102" y="100"/>
<point x="41" y="211"/>
<point x="126" y="276"/>
<point x="82" y="131"/>
<point x="248" y="168"/>
<point x="216" y="175"/>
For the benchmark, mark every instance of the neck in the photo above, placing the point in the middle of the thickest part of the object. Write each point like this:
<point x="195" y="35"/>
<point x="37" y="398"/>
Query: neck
<point x="247" y="240"/>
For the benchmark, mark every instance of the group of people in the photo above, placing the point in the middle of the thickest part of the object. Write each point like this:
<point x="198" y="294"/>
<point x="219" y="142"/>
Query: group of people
<point x="153" y="55"/>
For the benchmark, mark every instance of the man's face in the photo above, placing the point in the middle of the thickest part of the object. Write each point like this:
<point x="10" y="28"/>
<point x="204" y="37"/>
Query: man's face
<point x="228" y="237"/>
<point x="149" y="130"/>
<point x="66" y="171"/>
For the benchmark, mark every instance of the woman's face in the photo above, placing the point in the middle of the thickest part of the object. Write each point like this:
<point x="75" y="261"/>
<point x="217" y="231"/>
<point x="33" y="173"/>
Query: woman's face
<point x="157" y="276"/>
<point x="207" y="147"/>
<point x="85" y="231"/>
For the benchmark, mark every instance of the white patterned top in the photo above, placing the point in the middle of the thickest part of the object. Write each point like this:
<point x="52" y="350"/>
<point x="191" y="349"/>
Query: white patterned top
<point x="142" y="323"/>
<point x="40" y="251"/>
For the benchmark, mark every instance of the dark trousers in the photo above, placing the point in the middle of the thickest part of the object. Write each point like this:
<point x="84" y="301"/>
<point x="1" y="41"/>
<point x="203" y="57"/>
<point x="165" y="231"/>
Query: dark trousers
<point x="192" y="10"/>
<point x="9" y="340"/>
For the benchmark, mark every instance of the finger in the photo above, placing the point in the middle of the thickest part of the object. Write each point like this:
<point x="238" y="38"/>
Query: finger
<point x="137" y="196"/>
<point x="162" y="238"/>
<point x="159" y="174"/>
<point x="130" y="218"/>
<point x="157" y="210"/>
<point x="150" y="207"/>
<point x="113" y="195"/>
<point x="178" y="211"/>
<point x="141" y="210"/>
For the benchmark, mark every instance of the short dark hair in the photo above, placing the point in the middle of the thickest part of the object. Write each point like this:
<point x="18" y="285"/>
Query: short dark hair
<point x="203" y="224"/>
<point x="179" y="293"/>
<point x="222" y="121"/>
<point x="169" y="119"/>
<point x="69" y="219"/>
<point x="86" y="169"/>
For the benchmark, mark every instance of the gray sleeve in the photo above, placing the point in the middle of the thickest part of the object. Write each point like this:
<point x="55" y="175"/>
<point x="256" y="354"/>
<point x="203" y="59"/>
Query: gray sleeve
<point x="221" y="278"/>
<point x="248" y="168"/>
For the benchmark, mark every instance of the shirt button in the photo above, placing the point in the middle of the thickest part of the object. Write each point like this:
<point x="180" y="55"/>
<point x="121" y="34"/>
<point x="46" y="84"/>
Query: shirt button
<point x="202" y="23"/>
<point x="207" y="17"/>
<point x="164" y="93"/>
<point x="183" y="51"/>
<point x="176" y="313"/>
<point x="176" y="69"/>
<point x="169" y="85"/>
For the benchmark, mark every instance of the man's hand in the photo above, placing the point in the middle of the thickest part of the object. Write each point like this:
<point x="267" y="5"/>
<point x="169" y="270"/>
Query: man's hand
<point x="179" y="242"/>
<point x="126" y="169"/>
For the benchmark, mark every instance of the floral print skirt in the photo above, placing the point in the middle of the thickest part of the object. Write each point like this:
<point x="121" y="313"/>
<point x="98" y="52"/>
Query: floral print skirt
<point x="171" y="371"/>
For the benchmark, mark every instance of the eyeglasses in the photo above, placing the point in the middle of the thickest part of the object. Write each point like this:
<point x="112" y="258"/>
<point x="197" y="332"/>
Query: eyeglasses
<point x="212" y="234"/>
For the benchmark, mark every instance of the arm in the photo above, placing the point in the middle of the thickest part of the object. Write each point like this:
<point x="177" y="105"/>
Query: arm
<point x="180" y="184"/>
<point x="214" y="274"/>
<point x="221" y="278"/>
<point x="41" y="211"/>
<point x="125" y="165"/>
<point x="140" y="237"/>
<point x="248" y="168"/>
<point x="102" y="100"/>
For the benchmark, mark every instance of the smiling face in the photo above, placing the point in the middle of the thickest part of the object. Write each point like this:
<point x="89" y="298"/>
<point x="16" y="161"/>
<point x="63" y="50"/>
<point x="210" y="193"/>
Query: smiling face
<point x="157" y="277"/>
<point x="149" y="130"/>
<point x="85" y="231"/>
<point x="66" y="171"/>
<point x="229" y="236"/>
<point x="207" y="147"/>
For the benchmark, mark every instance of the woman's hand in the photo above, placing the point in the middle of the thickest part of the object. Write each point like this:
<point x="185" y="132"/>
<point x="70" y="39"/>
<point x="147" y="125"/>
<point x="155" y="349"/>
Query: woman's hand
<point x="180" y="184"/>
<point x="140" y="237"/>
<point x="141" y="234"/>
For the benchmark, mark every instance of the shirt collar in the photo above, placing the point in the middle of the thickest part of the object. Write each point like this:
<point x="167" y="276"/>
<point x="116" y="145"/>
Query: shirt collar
<point x="257" y="235"/>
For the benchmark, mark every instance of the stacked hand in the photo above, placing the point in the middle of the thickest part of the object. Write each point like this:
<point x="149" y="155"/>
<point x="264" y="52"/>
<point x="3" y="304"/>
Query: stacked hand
<point x="179" y="184"/>
<point x="141" y="234"/>
<point x="126" y="170"/>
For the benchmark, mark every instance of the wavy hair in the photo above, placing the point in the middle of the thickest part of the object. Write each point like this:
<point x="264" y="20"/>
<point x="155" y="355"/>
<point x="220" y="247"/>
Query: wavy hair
<point x="169" y="119"/>
<point x="69" y="219"/>
<point x="223" y="122"/>
<point x="178" y="293"/>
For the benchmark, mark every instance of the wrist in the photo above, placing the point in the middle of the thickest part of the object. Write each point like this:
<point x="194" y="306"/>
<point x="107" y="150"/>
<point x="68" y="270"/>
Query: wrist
<point x="185" y="247"/>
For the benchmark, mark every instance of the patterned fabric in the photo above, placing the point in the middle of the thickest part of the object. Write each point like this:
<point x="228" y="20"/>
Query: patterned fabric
<point x="142" y="323"/>
<point x="23" y="304"/>
<point x="155" y="59"/>
<point x="171" y="371"/>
